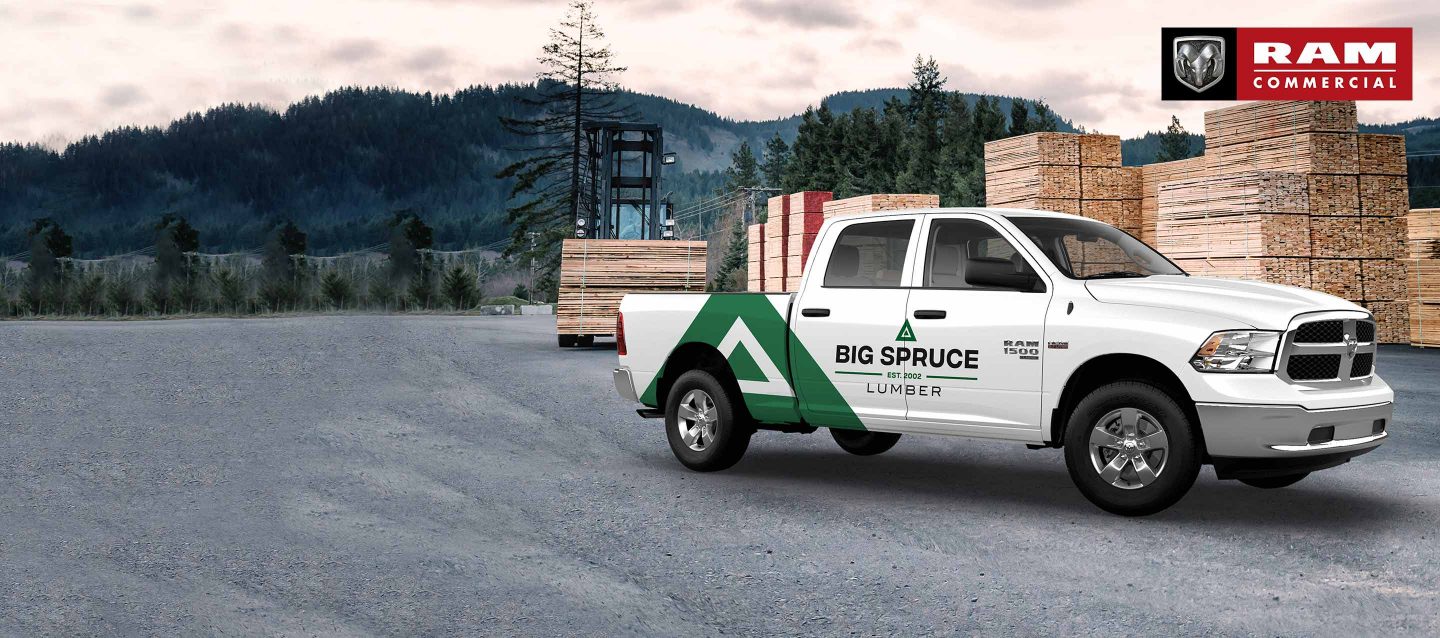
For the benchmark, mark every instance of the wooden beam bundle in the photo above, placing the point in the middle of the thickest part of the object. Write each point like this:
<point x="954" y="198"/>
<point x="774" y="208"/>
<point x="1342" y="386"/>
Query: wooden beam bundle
<point x="1254" y="121"/>
<point x="1064" y="172"/>
<point x="1151" y="177"/>
<point x="755" y="258"/>
<point x="596" y="273"/>
<point x="1422" y="278"/>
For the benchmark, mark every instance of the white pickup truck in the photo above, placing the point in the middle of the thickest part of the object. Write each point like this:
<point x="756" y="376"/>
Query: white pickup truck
<point x="1041" y="328"/>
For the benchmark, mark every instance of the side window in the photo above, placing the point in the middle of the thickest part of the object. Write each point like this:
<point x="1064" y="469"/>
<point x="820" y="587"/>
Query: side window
<point x="971" y="254"/>
<point x="869" y="255"/>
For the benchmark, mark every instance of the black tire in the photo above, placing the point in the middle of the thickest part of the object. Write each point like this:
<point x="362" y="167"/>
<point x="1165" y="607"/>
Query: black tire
<point x="1138" y="488"/>
<point x="585" y="341"/>
<point x="721" y="442"/>
<point x="1274" y="482"/>
<point x="863" y="443"/>
<point x="567" y="341"/>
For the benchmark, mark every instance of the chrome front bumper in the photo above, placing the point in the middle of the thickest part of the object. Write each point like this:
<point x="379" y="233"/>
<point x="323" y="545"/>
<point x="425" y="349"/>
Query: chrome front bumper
<point x="1278" y="431"/>
<point x="624" y="385"/>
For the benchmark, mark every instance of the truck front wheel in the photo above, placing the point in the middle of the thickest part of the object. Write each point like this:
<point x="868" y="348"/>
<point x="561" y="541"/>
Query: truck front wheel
<point x="701" y="424"/>
<point x="1131" y="449"/>
<point x="862" y="443"/>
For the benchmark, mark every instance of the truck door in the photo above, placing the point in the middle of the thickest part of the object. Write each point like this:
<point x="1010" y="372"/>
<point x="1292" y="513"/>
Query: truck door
<point x="978" y="310"/>
<point x="851" y="306"/>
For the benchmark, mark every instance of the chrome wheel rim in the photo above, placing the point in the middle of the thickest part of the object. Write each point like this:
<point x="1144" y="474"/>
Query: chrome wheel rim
<point x="697" y="420"/>
<point x="1129" y="448"/>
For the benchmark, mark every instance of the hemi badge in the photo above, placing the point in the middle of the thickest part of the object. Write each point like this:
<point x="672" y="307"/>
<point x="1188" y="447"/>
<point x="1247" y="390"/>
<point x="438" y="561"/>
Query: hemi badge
<point x="1058" y="345"/>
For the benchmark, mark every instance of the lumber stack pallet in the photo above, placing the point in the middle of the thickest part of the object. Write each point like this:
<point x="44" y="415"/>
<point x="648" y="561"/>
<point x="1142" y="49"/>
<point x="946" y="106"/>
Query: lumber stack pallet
<point x="774" y="243"/>
<point x="862" y="204"/>
<point x="755" y="258"/>
<point x="1251" y="226"/>
<point x="595" y="274"/>
<point x="1423" y="276"/>
<point x="1151" y="177"/>
<point x="802" y="224"/>
<point x="1064" y="172"/>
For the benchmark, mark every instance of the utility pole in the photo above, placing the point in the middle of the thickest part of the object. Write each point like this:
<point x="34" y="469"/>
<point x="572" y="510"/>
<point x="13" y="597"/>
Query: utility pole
<point x="530" y="281"/>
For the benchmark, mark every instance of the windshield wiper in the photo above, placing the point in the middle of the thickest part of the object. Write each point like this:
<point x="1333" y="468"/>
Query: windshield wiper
<point x="1117" y="274"/>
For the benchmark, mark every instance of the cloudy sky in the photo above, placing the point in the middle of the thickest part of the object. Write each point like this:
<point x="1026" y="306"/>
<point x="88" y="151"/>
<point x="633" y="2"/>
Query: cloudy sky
<point x="70" y="68"/>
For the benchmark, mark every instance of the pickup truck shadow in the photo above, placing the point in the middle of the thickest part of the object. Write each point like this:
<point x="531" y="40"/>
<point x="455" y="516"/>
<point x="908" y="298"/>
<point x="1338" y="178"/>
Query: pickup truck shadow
<point x="999" y="484"/>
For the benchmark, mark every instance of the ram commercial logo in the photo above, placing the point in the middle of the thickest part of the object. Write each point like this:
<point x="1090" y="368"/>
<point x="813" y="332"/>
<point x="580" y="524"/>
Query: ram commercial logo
<point x="1286" y="64"/>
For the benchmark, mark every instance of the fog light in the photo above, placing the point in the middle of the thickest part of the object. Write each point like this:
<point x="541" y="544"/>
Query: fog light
<point x="1378" y="426"/>
<point x="1321" y="435"/>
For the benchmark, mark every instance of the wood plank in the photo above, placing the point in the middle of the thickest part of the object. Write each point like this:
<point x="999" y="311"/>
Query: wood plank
<point x="1382" y="154"/>
<point x="1254" y="121"/>
<point x="1422" y="282"/>
<point x="1035" y="149"/>
<point x="1032" y="182"/>
<point x="1339" y="277"/>
<point x="1423" y="230"/>
<point x="1333" y="153"/>
<point x="1120" y="213"/>
<point x="1384" y="195"/>
<point x="1109" y="182"/>
<point x="595" y="274"/>
<point x="1058" y="205"/>
<point x="1382" y="280"/>
<point x="862" y="204"/>
<point x="1099" y="150"/>
<point x="1234" y="194"/>
<point x="1334" y="194"/>
<point x="1253" y="235"/>
<point x="1425" y="324"/>
<point x="1392" y="320"/>
<point x="1336" y="237"/>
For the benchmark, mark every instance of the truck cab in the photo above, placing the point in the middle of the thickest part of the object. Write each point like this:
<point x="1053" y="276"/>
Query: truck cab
<point x="1047" y="329"/>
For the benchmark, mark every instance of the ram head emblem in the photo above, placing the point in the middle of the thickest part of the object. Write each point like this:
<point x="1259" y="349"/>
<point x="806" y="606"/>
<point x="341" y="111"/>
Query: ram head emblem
<point x="1199" y="61"/>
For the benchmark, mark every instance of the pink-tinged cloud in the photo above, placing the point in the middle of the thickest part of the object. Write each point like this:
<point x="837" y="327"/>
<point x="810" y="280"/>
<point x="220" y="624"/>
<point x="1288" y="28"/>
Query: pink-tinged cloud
<point x="96" y="65"/>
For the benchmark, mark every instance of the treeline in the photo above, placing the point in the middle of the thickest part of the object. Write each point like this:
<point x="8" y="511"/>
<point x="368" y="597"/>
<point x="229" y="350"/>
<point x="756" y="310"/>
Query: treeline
<point x="931" y="142"/>
<point x="180" y="281"/>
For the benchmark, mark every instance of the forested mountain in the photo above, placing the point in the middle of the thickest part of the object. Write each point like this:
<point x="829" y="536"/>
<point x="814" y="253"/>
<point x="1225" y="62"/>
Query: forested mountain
<point x="1142" y="150"/>
<point x="337" y="164"/>
<point x="340" y="164"/>
<point x="1422" y="144"/>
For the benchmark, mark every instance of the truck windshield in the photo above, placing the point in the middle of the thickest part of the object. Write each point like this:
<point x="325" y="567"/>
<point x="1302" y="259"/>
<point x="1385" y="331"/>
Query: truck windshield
<point x="1086" y="249"/>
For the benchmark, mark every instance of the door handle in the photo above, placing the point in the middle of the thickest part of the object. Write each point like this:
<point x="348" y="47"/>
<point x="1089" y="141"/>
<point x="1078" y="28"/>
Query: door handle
<point x="815" y="312"/>
<point x="929" y="314"/>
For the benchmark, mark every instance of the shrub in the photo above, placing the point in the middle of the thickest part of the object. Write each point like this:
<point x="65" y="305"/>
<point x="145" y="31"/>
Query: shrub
<point x="90" y="295"/>
<point x="459" y="288"/>
<point x="120" y="296"/>
<point x="337" y="289"/>
<point x="233" y="290"/>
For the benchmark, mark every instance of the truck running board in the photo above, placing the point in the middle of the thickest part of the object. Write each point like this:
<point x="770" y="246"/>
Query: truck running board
<point x="651" y="413"/>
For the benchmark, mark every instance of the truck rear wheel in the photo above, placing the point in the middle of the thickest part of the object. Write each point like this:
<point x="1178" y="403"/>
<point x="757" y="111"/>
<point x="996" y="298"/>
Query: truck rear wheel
<point x="1274" y="482"/>
<point x="863" y="443"/>
<point x="701" y="424"/>
<point x="1131" y="449"/>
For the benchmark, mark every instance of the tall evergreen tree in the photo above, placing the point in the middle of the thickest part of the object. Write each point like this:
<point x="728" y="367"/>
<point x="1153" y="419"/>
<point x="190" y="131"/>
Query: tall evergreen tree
<point x="744" y="172"/>
<point x="578" y="84"/>
<point x="957" y="158"/>
<point x="1019" y="117"/>
<point x="922" y="147"/>
<point x="777" y="153"/>
<point x="1174" y="142"/>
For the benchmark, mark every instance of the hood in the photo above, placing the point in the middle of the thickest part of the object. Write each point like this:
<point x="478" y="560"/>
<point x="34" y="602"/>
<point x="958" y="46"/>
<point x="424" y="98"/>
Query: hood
<point x="1261" y="305"/>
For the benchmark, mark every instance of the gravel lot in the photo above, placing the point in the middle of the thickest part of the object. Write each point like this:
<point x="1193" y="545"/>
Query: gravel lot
<point x="406" y="475"/>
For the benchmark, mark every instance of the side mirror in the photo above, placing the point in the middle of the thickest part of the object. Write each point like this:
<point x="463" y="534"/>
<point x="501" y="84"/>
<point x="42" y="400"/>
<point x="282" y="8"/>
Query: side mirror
<point x="982" y="272"/>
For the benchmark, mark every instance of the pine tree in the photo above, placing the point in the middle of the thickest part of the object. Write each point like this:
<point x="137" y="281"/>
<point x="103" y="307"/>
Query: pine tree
<point x="922" y="146"/>
<point x="1044" y="119"/>
<point x="576" y="85"/>
<point x="1174" y="142"/>
<point x="336" y="289"/>
<point x="777" y="153"/>
<point x="1019" y="117"/>
<point x="459" y="288"/>
<point x="957" y="158"/>
<point x="744" y="172"/>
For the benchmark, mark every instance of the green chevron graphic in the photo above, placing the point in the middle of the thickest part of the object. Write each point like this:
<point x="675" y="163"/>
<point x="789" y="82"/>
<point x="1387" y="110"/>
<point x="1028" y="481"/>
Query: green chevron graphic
<point x="752" y="334"/>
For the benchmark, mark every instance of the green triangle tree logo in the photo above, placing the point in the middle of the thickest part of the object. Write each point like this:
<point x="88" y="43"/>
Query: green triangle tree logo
<point x="906" y="334"/>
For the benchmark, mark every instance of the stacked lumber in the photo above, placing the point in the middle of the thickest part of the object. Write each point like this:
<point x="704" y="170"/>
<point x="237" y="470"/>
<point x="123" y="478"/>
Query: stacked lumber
<point x="862" y="204"/>
<point x="596" y="273"/>
<point x="1065" y="172"/>
<point x="755" y="258"/>
<point x="1423" y="276"/>
<point x="806" y="213"/>
<point x="1253" y="121"/>
<point x="774" y="243"/>
<point x="1249" y="225"/>
<point x="1384" y="201"/>
<point x="1151" y="177"/>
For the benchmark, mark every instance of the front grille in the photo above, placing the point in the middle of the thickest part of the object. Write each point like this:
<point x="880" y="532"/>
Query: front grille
<point x="1313" y="367"/>
<point x="1360" y="367"/>
<point x="1332" y="331"/>
<point x="1364" y="332"/>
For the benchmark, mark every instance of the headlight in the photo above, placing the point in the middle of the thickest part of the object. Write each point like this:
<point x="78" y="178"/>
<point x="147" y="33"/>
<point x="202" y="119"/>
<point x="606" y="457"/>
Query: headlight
<point x="1238" y="351"/>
